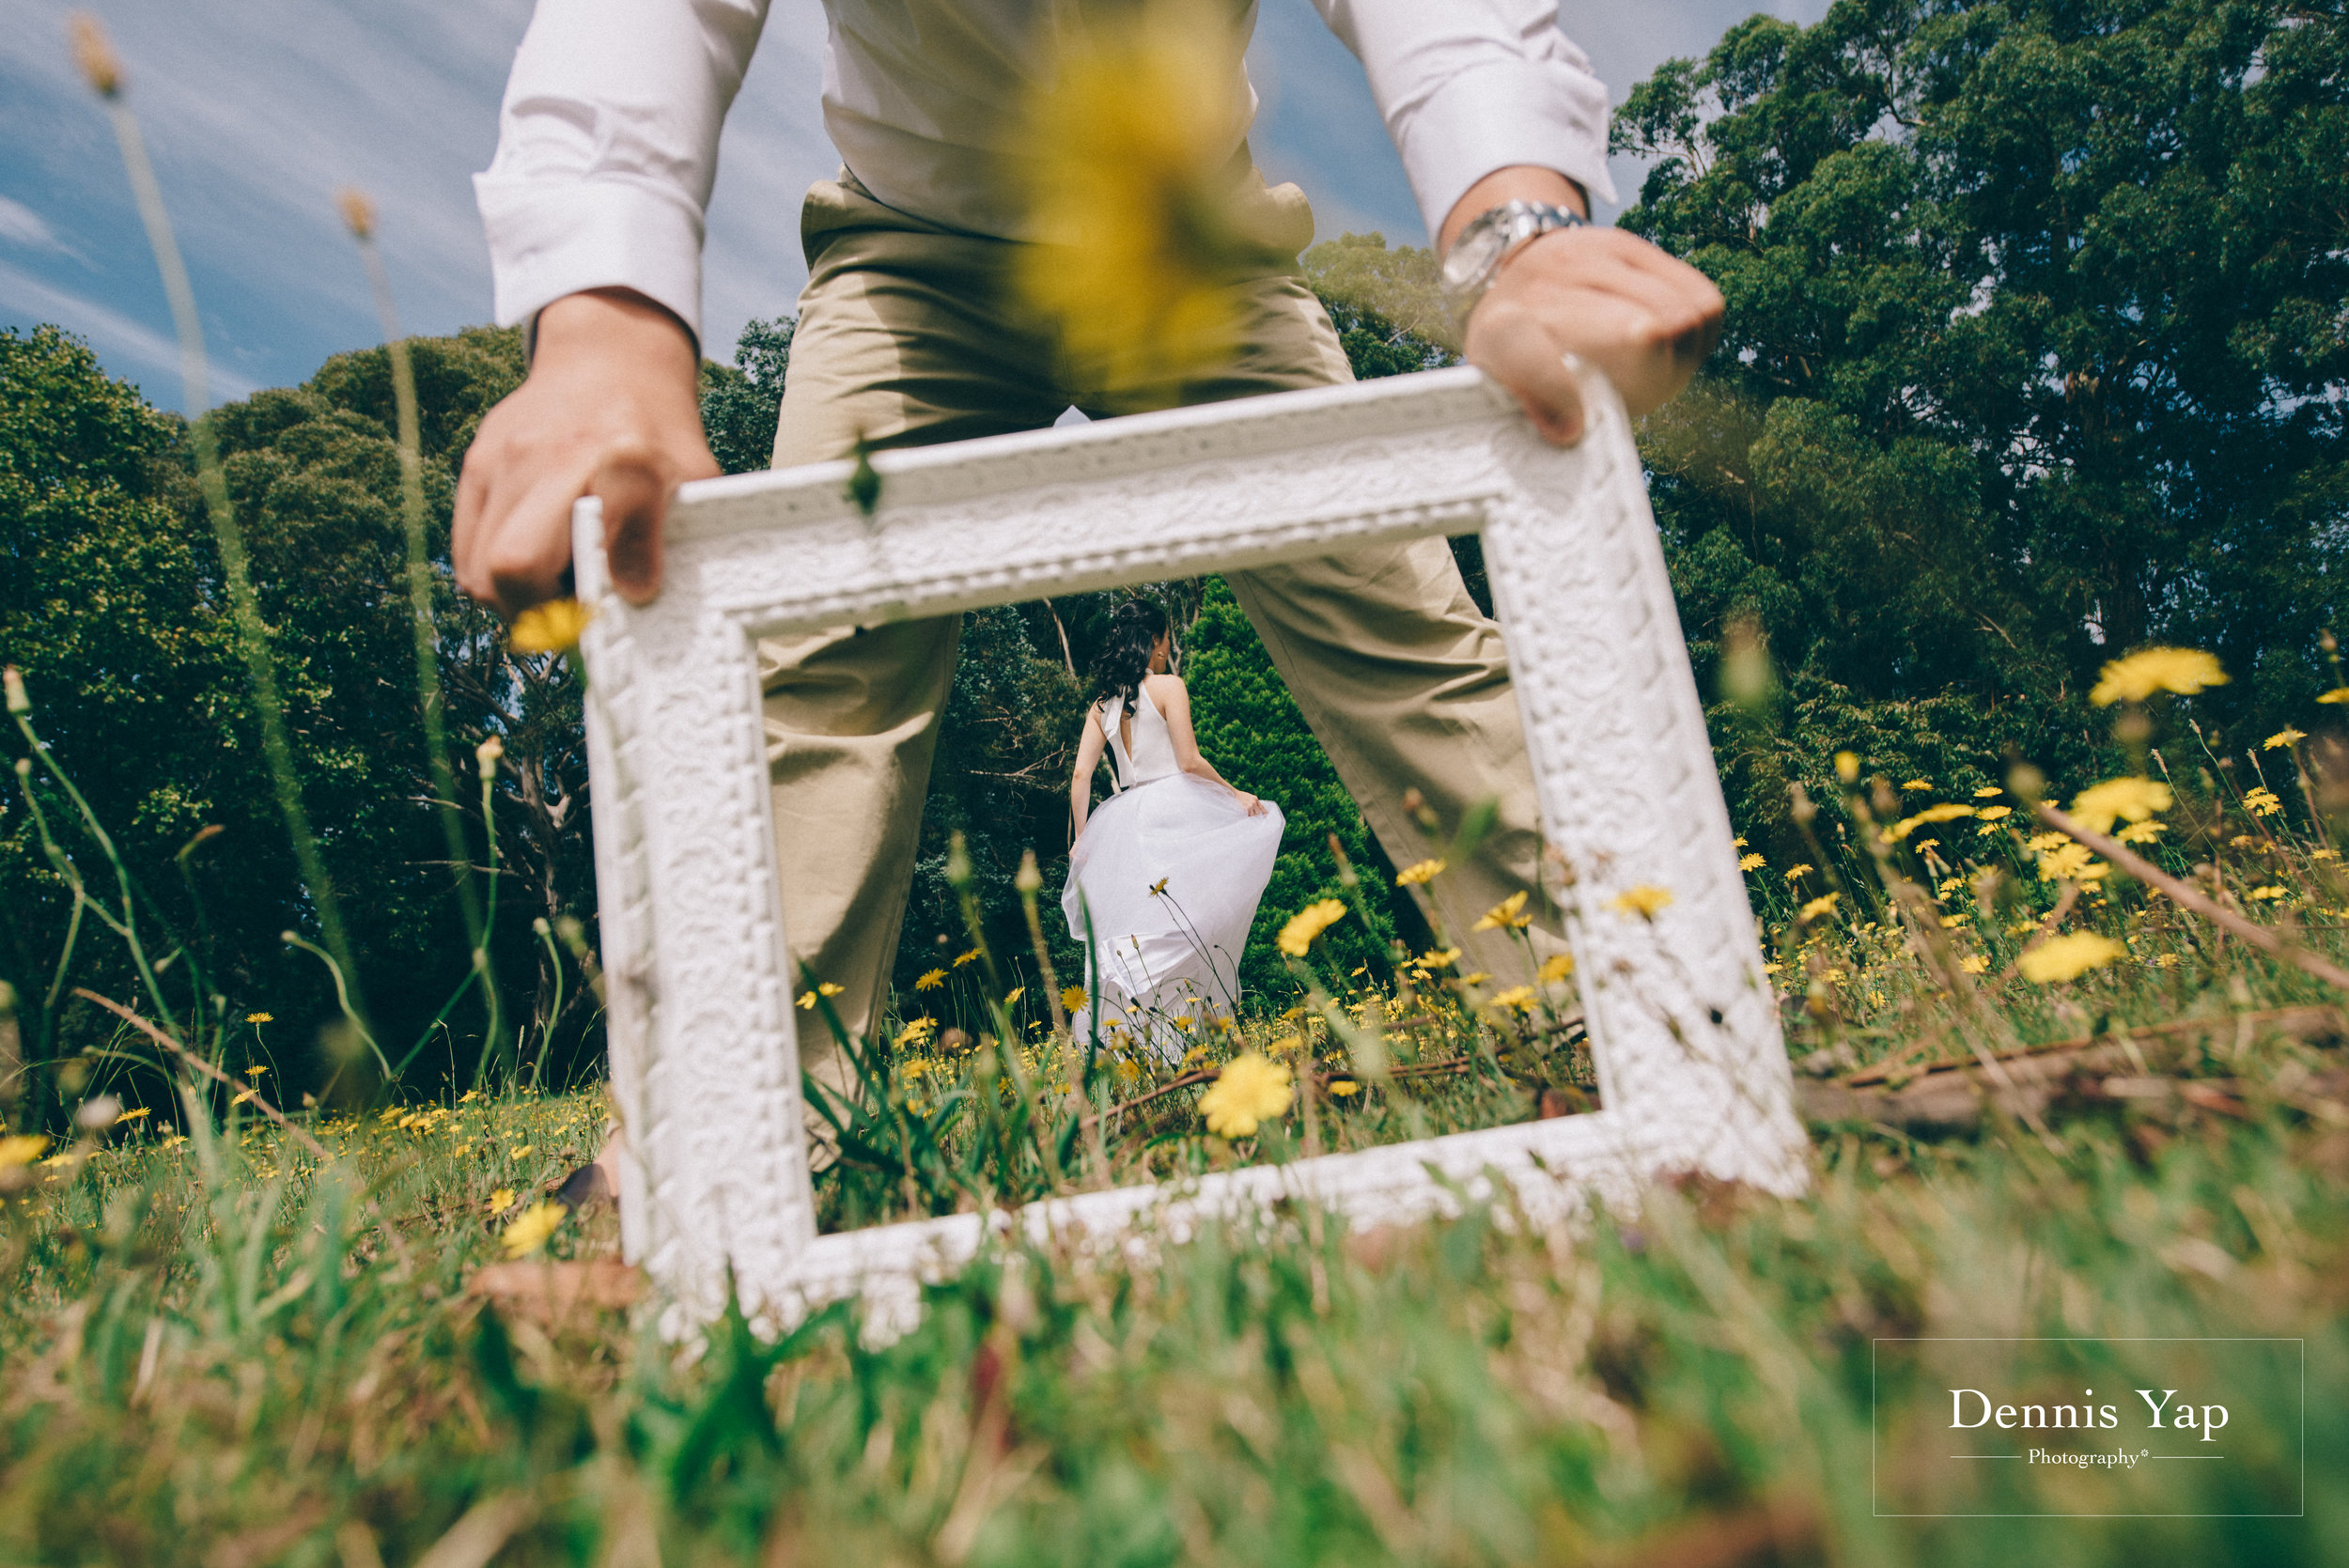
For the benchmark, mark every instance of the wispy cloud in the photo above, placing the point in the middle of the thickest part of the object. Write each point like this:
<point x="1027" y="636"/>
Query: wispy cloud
<point x="20" y="225"/>
<point x="129" y="348"/>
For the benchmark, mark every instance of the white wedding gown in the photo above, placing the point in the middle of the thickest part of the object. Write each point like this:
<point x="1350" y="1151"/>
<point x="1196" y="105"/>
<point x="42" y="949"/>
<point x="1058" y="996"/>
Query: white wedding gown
<point x="1170" y="869"/>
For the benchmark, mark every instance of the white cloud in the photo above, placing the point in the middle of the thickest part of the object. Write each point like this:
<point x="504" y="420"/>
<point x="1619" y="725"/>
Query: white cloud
<point x="130" y="350"/>
<point x="20" y="225"/>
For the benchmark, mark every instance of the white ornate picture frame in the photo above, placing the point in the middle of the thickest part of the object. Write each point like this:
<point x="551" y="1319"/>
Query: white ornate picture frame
<point x="1683" y="1025"/>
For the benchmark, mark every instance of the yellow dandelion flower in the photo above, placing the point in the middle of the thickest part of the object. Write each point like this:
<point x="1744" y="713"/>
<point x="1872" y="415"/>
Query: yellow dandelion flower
<point x="532" y="1229"/>
<point x="1017" y="992"/>
<point x="1739" y="840"/>
<point x="2039" y="843"/>
<point x="1795" y="871"/>
<point x="2184" y="671"/>
<point x="1344" y="1087"/>
<point x="1973" y="963"/>
<point x="1505" y="915"/>
<point x="2269" y="894"/>
<point x="1914" y="784"/>
<point x="1476" y="979"/>
<point x="525" y="1152"/>
<point x="2282" y="739"/>
<point x="1517" y="998"/>
<point x="2071" y="863"/>
<point x="807" y="998"/>
<point x="1249" y="1089"/>
<point x="915" y="1032"/>
<point x="260" y="1018"/>
<point x="1750" y="862"/>
<point x="2099" y="805"/>
<point x="2324" y="854"/>
<point x="503" y="1198"/>
<point x="2147" y="831"/>
<point x="1423" y="870"/>
<point x="1848" y="766"/>
<point x="1987" y="791"/>
<point x="1646" y="900"/>
<point x="1820" y="906"/>
<point x="135" y="1116"/>
<point x="255" y="1070"/>
<point x="21" y="1149"/>
<point x="1308" y="924"/>
<point x="970" y="957"/>
<point x="1126" y="157"/>
<point x="1994" y="813"/>
<point x="2069" y="957"/>
<point x="1072" y="998"/>
<point x="554" y="627"/>
<point x="2262" y="802"/>
<point x="932" y="981"/>
<point x="1943" y="812"/>
<point x="1555" y="968"/>
<point x="2338" y="695"/>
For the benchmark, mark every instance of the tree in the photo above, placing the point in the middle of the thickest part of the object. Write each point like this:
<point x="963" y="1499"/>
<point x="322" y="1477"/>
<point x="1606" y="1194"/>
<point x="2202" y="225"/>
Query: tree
<point x="2034" y="349"/>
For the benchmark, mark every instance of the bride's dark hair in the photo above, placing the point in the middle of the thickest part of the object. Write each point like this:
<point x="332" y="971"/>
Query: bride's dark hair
<point x="1125" y="658"/>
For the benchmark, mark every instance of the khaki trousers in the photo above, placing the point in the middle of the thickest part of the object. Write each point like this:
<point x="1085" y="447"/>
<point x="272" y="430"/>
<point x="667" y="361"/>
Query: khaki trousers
<point x="902" y="341"/>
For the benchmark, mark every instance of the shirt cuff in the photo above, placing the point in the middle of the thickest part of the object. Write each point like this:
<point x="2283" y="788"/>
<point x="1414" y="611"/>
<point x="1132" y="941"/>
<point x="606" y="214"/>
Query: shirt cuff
<point x="1500" y="115"/>
<point x="604" y="233"/>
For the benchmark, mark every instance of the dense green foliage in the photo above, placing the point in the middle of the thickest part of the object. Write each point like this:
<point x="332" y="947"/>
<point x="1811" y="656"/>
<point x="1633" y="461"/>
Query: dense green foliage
<point x="2034" y="349"/>
<point x="113" y="609"/>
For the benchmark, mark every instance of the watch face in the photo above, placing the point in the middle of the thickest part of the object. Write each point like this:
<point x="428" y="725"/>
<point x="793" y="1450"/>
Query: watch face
<point x="1479" y="246"/>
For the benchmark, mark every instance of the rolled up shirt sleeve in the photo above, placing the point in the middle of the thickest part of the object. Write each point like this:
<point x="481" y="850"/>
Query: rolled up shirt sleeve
<point x="1468" y="86"/>
<point x="608" y="146"/>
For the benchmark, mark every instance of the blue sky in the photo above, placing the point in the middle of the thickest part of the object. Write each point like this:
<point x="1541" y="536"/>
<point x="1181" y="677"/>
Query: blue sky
<point x="258" y="110"/>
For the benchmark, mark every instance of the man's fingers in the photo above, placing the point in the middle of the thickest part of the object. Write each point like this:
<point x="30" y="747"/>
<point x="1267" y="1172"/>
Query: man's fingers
<point x="1517" y="349"/>
<point x="634" y="486"/>
<point x="530" y="546"/>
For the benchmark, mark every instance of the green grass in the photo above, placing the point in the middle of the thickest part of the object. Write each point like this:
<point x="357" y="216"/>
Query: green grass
<point x="211" y="1352"/>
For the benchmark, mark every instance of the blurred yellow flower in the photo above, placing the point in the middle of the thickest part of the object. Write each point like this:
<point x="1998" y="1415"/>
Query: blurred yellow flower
<point x="1994" y="813"/>
<point x="1297" y="935"/>
<point x="523" y="1151"/>
<point x="1973" y="963"/>
<point x="1505" y="915"/>
<point x="1820" y="907"/>
<point x="1017" y="992"/>
<point x="2039" y="843"/>
<point x="1646" y="900"/>
<point x="2184" y="671"/>
<point x="2268" y="894"/>
<point x="1750" y="862"/>
<point x="2097" y="806"/>
<point x="132" y="1116"/>
<point x="1848" y="766"/>
<point x="501" y="1199"/>
<point x="2068" y="956"/>
<point x="931" y="981"/>
<point x="970" y="957"/>
<point x="1555" y="968"/>
<point x="255" y="1070"/>
<point x="1943" y="812"/>
<point x="1916" y="784"/>
<point x="1250" y="1089"/>
<point x="2338" y="695"/>
<point x="2262" y="802"/>
<point x="260" y="1017"/>
<point x="807" y="998"/>
<point x="1987" y="791"/>
<point x="1411" y="876"/>
<point x="2283" y="737"/>
<point x="2147" y="831"/>
<point x="915" y="1032"/>
<point x="549" y="628"/>
<point x="2071" y="863"/>
<point x="21" y="1149"/>
<point x="533" y="1229"/>
<point x="1435" y="959"/>
<point x="1795" y="871"/>
<point x="1344" y="1087"/>
<point x="1517" y="998"/>
<point x="1126" y="156"/>
<point x="1072" y="998"/>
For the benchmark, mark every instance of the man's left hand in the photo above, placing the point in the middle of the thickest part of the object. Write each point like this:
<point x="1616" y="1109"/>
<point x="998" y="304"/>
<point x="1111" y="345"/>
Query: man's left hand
<point x="1644" y="318"/>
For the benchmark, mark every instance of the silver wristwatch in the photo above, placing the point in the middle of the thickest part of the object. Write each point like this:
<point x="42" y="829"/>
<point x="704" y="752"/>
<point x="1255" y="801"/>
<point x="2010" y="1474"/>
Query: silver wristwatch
<point x="1476" y="255"/>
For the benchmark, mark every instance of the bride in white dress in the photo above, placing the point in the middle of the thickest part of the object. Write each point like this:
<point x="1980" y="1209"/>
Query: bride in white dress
<point x="1165" y="876"/>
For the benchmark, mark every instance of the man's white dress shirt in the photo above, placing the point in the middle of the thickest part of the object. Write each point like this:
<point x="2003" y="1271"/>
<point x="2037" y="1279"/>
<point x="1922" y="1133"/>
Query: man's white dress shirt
<point x="608" y="138"/>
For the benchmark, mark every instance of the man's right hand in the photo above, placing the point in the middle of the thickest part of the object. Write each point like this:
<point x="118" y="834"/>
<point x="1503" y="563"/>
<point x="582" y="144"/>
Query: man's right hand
<point x="612" y="408"/>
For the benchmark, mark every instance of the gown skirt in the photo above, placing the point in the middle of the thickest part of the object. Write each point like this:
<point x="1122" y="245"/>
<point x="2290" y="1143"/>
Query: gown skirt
<point x="1170" y="873"/>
